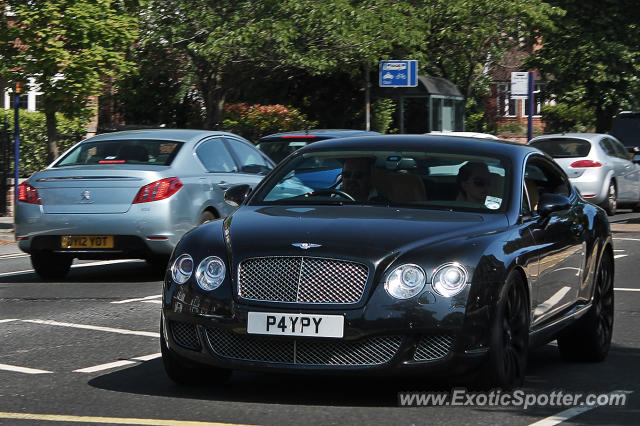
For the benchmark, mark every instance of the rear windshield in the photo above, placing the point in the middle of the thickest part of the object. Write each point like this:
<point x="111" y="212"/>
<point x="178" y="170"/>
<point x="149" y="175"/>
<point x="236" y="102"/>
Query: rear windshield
<point x="129" y="151"/>
<point x="563" y="147"/>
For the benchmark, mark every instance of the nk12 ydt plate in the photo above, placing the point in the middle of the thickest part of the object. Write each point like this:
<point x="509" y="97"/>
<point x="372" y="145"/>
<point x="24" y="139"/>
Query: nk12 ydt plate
<point x="86" y="241"/>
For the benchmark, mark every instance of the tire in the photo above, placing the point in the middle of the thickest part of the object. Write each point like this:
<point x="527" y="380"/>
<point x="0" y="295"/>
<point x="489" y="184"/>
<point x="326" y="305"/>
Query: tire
<point x="205" y="217"/>
<point x="158" y="262"/>
<point x="50" y="266"/>
<point x="590" y="339"/>
<point x="610" y="204"/>
<point x="509" y="338"/>
<point x="185" y="372"/>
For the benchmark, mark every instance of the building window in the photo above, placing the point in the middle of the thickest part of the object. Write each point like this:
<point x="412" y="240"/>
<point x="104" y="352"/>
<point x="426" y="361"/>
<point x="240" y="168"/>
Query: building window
<point x="539" y="102"/>
<point x="507" y="107"/>
<point x="39" y="106"/>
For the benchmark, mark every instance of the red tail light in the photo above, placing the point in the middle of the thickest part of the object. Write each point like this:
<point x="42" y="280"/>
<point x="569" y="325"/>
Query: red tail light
<point x="158" y="190"/>
<point x="585" y="163"/>
<point x="28" y="194"/>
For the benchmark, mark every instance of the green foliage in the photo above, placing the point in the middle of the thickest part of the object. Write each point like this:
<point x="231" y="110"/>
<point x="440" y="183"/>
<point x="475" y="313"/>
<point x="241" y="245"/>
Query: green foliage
<point x="33" y="140"/>
<point x="513" y="128"/>
<point x="255" y="121"/>
<point x="382" y="112"/>
<point x="563" y="118"/>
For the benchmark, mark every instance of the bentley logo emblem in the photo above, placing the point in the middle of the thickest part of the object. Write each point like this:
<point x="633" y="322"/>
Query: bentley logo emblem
<point x="306" y="246"/>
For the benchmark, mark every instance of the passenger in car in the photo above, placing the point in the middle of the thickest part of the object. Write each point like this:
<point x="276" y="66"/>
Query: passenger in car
<point x="473" y="181"/>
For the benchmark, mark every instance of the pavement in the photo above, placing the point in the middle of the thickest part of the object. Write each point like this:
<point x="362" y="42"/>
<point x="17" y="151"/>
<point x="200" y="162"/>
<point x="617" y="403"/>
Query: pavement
<point x="7" y="238"/>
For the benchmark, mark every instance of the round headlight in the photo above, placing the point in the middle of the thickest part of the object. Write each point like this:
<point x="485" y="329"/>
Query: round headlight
<point x="449" y="279"/>
<point x="210" y="273"/>
<point x="405" y="281"/>
<point x="182" y="268"/>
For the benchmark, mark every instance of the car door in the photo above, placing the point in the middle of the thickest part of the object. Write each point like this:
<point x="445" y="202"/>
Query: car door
<point x="631" y="175"/>
<point x="619" y="167"/>
<point x="558" y="239"/>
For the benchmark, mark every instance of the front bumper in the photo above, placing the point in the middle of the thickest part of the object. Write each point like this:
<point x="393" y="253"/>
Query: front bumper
<point x="435" y="337"/>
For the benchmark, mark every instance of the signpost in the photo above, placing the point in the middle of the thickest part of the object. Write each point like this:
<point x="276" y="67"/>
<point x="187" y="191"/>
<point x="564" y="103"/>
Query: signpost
<point x="16" y="143"/>
<point x="399" y="73"/>
<point x="522" y="85"/>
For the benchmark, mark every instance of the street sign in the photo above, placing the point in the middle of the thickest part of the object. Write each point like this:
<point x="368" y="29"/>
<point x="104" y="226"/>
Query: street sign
<point x="519" y="85"/>
<point x="399" y="73"/>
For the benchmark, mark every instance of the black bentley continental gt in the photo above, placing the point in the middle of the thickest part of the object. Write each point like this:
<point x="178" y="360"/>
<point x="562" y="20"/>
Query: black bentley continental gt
<point x="421" y="254"/>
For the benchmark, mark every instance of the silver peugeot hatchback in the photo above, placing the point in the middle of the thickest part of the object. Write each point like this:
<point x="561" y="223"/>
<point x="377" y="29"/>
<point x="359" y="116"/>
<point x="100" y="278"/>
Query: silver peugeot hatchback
<point x="130" y="195"/>
<point x="598" y="165"/>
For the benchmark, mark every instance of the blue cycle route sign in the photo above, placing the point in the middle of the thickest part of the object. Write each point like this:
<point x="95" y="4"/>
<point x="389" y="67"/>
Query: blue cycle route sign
<point x="399" y="73"/>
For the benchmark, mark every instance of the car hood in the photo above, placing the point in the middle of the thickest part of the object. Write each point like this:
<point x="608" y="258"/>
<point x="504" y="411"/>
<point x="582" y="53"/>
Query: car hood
<point x="351" y="232"/>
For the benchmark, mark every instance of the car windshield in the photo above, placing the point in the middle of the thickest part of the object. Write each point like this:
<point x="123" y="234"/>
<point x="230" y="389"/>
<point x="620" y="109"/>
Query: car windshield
<point x="450" y="181"/>
<point x="563" y="147"/>
<point x="125" y="151"/>
<point x="279" y="149"/>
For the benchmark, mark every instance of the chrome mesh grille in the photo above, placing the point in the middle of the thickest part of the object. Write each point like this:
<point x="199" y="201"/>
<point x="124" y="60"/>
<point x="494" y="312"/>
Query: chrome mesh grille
<point x="186" y="335"/>
<point x="366" y="352"/>
<point x="432" y="348"/>
<point x="301" y="280"/>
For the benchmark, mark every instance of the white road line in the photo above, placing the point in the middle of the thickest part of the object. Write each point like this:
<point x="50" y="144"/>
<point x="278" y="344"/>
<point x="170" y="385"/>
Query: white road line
<point x="26" y="370"/>
<point x="626" y="289"/>
<point x="120" y="363"/>
<point x="79" y="265"/>
<point x="618" y="256"/>
<point x="8" y="320"/>
<point x="153" y="301"/>
<point x="139" y="299"/>
<point x="571" y="412"/>
<point x="94" y="327"/>
<point x="13" y="255"/>
<point x="626" y="239"/>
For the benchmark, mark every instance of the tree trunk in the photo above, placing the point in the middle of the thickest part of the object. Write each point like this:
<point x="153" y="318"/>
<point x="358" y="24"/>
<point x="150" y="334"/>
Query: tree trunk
<point x="52" y="134"/>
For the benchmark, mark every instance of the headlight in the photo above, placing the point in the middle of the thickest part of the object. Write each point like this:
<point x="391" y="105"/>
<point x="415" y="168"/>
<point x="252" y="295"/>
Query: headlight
<point x="405" y="281"/>
<point x="210" y="273"/>
<point x="182" y="268"/>
<point x="449" y="279"/>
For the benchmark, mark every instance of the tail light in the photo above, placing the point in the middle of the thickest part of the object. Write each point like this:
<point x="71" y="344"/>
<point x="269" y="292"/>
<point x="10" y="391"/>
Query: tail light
<point x="585" y="163"/>
<point x="158" y="190"/>
<point x="28" y="194"/>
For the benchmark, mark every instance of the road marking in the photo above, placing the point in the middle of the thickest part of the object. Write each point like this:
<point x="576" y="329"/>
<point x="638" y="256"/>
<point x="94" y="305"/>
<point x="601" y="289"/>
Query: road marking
<point x="620" y="250"/>
<point x="626" y="289"/>
<point x="8" y="320"/>
<point x="95" y="327"/>
<point x="139" y="299"/>
<point x="26" y="370"/>
<point x="618" y="256"/>
<point x="79" y="265"/>
<point x="572" y="412"/>
<point x="13" y="255"/>
<point x="627" y="239"/>
<point x="120" y="363"/>
<point x="159" y="302"/>
<point x="109" y="420"/>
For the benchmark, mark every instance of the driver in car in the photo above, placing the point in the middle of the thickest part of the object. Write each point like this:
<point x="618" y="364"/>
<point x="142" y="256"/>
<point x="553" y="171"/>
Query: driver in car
<point x="357" y="179"/>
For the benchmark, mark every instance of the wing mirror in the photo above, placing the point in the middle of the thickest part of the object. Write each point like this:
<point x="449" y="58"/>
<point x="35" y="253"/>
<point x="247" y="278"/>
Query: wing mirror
<point x="550" y="203"/>
<point x="235" y="195"/>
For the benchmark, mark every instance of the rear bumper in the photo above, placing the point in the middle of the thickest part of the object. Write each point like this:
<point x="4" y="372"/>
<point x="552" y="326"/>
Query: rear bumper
<point x="593" y="185"/>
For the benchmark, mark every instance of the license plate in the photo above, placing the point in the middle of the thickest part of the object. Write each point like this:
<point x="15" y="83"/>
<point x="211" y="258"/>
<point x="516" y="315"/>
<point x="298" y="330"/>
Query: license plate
<point x="86" y="241"/>
<point x="295" y="324"/>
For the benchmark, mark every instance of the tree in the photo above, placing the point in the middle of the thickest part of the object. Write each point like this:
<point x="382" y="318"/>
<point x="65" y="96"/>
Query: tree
<point x="591" y="56"/>
<point x="70" y="47"/>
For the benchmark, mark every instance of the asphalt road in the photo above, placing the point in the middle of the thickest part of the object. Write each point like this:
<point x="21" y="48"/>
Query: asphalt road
<point x="86" y="351"/>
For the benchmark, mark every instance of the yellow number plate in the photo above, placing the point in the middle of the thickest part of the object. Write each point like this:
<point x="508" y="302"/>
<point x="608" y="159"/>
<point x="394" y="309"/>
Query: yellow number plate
<point x="86" y="241"/>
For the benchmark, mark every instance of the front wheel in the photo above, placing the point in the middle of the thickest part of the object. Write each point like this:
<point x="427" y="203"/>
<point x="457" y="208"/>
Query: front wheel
<point x="509" y="338"/>
<point x="589" y="340"/>
<point x="49" y="265"/>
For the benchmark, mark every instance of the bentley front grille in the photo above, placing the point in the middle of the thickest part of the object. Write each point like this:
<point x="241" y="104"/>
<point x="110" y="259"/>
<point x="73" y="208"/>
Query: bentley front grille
<point x="365" y="352"/>
<point x="301" y="280"/>
<point x="432" y="348"/>
<point x="186" y="335"/>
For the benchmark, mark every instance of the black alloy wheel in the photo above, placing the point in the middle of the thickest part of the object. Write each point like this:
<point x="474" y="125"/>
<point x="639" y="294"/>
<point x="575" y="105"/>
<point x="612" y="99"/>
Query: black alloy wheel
<point x="590" y="339"/>
<point x="509" y="338"/>
<point x="51" y="266"/>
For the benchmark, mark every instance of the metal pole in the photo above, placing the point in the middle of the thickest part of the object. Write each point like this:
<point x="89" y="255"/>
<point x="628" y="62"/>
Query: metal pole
<point x="401" y="115"/>
<point x="367" y="98"/>
<point x="532" y="76"/>
<point x="16" y="145"/>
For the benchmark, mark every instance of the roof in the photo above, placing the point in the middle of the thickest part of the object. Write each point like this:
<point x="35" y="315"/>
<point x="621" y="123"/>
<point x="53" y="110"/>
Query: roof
<point x="427" y="86"/>
<point x="320" y="133"/>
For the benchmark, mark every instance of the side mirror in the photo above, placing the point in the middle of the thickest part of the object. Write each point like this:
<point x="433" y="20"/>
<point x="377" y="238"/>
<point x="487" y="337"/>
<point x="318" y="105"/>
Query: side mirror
<point x="550" y="203"/>
<point x="235" y="195"/>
